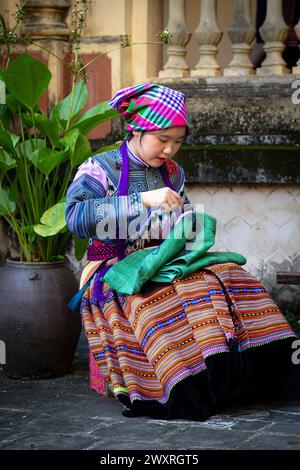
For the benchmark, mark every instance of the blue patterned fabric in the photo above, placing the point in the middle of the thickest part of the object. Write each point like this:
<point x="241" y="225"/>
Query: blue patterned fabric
<point x="87" y="197"/>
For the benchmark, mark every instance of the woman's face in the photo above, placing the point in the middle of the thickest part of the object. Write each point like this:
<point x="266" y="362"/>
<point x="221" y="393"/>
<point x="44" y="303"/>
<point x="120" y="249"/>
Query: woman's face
<point x="157" y="146"/>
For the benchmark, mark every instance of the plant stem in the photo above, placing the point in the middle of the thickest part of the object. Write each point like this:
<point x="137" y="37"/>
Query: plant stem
<point x="74" y="79"/>
<point x="26" y="168"/>
<point x="65" y="183"/>
<point x="47" y="50"/>
<point x="34" y="126"/>
<point x="115" y="49"/>
<point x="44" y="258"/>
<point x="63" y="242"/>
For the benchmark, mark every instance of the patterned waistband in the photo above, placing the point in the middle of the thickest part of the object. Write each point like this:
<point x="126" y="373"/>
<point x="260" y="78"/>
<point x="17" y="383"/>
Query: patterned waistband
<point x="98" y="250"/>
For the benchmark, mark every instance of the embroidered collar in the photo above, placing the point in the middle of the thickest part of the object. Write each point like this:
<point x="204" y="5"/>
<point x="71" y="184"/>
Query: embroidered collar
<point x="135" y="159"/>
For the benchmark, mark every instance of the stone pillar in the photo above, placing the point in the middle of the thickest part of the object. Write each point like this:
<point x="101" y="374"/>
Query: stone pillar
<point x="296" y="69"/>
<point x="147" y="58"/>
<point x="45" y="25"/>
<point x="176" y="66"/>
<point x="274" y="32"/>
<point x="208" y="36"/>
<point x="241" y="34"/>
<point x="46" y="18"/>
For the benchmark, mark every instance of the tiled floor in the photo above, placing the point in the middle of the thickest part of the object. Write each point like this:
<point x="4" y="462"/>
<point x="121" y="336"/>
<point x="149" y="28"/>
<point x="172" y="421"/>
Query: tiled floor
<point x="64" y="413"/>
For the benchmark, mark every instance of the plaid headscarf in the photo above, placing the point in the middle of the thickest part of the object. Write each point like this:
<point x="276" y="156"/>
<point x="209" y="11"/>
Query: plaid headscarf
<point x="151" y="107"/>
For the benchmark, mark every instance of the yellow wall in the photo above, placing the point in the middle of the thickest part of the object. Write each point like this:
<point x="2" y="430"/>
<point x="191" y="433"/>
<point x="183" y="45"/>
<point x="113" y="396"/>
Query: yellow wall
<point x="143" y="19"/>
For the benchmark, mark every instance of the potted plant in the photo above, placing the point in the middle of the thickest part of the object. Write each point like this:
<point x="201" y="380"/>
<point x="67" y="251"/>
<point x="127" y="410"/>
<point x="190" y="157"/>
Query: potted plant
<point x="39" y="151"/>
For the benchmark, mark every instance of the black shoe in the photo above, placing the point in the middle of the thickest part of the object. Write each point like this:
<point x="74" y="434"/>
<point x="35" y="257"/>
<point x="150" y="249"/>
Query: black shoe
<point x="130" y="413"/>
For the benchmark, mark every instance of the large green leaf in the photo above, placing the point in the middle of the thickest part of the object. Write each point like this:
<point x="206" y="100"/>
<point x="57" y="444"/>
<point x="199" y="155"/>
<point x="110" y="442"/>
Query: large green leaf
<point x="80" y="247"/>
<point x="61" y="112"/>
<point x="6" y="161"/>
<point x="27" y="79"/>
<point x="28" y="146"/>
<point x="12" y="104"/>
<point x="48" y="128"/>
<point x="46" y="159"/>
<point x="6" y="140"/>
<point x="15" y="138"/>
<point x="100" y="113"/>
<point x="80" y="148"/>
<point x="7" y="206"/>
<point x="52" y="221"/>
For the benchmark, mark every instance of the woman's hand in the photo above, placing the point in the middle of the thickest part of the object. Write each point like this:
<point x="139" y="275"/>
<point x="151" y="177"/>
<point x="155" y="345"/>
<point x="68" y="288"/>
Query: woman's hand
<point x="165" y="198"/>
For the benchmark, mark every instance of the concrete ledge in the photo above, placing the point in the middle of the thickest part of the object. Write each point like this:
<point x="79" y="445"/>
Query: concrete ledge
<point x="229" y="106"/>
<point x="274" y="164"/>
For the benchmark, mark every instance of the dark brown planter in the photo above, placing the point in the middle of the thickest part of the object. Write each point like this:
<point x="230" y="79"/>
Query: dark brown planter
<point x="39" y="331"/>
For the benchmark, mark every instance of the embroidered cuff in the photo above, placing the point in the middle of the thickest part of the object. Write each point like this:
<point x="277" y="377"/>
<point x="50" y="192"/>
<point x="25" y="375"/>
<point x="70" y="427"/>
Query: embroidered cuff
<point x="136" y="204"/>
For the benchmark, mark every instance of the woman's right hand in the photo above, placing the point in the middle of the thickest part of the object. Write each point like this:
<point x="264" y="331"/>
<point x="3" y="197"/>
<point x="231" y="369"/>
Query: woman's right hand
<point x="165" y="198"/>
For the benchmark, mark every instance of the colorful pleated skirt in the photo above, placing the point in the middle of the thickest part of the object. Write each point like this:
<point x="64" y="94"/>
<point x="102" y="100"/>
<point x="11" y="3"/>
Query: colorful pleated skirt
<point x="184" y="349"/>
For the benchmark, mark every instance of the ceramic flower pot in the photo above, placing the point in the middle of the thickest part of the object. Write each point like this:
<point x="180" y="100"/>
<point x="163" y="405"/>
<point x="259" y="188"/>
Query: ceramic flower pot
<point x="40" y="333"/>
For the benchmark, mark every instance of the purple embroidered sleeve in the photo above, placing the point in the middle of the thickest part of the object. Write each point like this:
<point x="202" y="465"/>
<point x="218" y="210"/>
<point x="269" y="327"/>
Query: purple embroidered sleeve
<point x="93" y="170"/>
<point x="89" y="208"/>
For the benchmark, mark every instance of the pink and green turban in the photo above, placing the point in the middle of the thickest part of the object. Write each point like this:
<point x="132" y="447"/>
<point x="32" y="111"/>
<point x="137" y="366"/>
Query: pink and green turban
<point x="150" y="107"/>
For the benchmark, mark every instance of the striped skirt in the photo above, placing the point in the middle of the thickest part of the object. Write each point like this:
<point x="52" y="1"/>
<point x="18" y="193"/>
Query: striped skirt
<point x="183" y="349"/>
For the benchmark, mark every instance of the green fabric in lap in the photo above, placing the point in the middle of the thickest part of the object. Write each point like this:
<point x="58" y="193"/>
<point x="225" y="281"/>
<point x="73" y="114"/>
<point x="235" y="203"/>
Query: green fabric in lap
<point x="183" y="252"/>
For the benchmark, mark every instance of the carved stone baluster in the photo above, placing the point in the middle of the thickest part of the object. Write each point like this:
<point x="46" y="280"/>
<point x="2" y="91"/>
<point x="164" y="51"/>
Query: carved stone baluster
<point x="46" y="19"/>
<point x="45" y="23"/>
<point x="274" y="32"/>
<point x="208" y="36"/>
<point x="241" y="34"/>
<point x="296" y="69"/>
<point x="176" y="65"/>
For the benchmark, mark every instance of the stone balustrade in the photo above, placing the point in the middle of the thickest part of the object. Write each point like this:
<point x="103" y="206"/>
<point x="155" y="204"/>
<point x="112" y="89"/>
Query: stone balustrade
<point x="241" y="33"/>
<point x="46" y="19"/>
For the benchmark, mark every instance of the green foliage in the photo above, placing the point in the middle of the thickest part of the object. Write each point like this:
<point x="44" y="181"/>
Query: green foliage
<point x="37" y="155"/>
<point x="27" y="79"/>
<point x="39" y="151"/>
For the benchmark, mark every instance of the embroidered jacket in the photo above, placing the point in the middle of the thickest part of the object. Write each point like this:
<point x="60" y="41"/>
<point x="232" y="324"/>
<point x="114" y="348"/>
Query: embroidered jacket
<point x="93" y="196"/>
